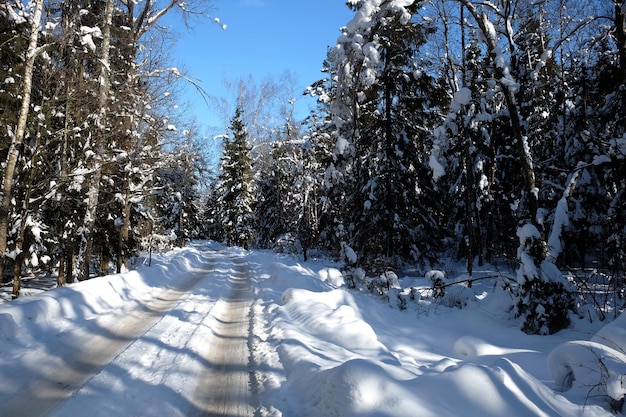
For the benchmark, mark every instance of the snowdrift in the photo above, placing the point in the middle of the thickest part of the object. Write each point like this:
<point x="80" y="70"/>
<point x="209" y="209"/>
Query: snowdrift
<point x="319" y="349"/>
<point x="338" y="352"/>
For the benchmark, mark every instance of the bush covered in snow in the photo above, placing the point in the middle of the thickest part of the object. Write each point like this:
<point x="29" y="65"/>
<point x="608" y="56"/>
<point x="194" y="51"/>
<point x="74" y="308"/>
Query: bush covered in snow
<point x="544" y="298"/>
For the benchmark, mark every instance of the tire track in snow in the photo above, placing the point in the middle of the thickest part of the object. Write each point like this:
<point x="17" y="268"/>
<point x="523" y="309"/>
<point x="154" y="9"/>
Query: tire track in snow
<point x="83" y="360"/>
<point x="224" y="389"/>
<point x="77" y="356"/>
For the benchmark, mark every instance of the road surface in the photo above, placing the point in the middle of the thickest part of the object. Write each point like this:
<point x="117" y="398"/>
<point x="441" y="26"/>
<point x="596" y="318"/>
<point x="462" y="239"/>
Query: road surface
<point x="180" y="351"/>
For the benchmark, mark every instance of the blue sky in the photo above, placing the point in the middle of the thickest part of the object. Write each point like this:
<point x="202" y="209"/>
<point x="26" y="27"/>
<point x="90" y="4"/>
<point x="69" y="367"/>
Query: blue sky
<point x="263" y="37"/>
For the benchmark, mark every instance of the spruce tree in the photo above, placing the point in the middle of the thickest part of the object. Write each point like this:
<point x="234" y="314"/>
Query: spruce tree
<point x="234" y="211"/>
<point x="382" y="113"/>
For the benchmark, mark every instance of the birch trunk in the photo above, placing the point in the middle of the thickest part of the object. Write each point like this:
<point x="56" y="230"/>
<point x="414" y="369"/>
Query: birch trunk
<point x="620" y="36"/>
<point x="66" y="257"/>
<point x="122" y="258"/>
<point x="20" y="131"/>
<point x="521" y="144"/>
<point x="93" y="195"/>
<point x="25" y="215"/>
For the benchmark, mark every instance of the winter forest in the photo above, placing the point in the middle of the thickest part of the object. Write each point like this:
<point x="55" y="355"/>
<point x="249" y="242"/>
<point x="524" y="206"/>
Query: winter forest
<point x="483" y="132"/>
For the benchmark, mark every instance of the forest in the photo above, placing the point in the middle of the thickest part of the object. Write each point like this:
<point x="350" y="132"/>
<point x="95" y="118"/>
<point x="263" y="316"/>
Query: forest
<point x="478" y="131"/>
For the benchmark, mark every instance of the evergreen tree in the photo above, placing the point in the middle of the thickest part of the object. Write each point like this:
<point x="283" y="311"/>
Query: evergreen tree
<point x="176" y="198"/>
<point x="288" y="187"/>
<point x="234" y="208"/>
<point x="275" y="209"/>
<point x="382" y="113"/>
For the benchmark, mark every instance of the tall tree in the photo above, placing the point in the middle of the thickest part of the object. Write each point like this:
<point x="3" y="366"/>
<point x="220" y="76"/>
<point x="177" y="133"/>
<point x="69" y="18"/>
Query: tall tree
<point x="235" y="197"/>
<point x="544" y="299"/>
<point x="382" y="110"/>
<point x="97" y="144"/>
<point x="120" y="47"/>
<point x="17" y="133"/>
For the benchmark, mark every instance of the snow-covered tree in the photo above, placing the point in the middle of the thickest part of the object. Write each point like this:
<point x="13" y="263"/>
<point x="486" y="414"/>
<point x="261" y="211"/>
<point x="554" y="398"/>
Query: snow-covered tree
<point x="93" y="131"/>
<point x="18" y="13"/>
<point x="233" y="198"/>
<point x="175" y="194"/>
<point x="288" y="188"/>
<point x="544" y="298"/>
<point x="382" y="111"/>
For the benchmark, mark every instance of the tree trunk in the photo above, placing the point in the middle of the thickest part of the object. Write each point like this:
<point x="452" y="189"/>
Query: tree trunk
<point x="65" y="258"/>
<point x="543" y="301"/>
<point x="561" y="218"/>
<point x="620" y="37"/>
<point x="523" y="153"/>
<point x="17" y="276"/>
<point x="93" y="194"/>
<point x="25" y="215"/>
<point x="122" y="244"/>
<point x="470" y="223"/>
<point x="105" y="263"/>
<point x="521" y="143"/>
<point x="69" y="265"/>
<point x="61" y="281"/>
<point x="86" y="244"/>
<point x="20" y="131"/>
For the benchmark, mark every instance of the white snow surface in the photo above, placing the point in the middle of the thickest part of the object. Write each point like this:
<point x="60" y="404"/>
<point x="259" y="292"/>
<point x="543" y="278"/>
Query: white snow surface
<point x="463" y="96"/>
<point x="317" y="348"/>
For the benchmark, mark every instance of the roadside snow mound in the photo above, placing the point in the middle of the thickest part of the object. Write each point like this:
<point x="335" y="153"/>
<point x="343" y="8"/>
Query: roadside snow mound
<point x="26" y="319"/>
<point x="596" y="368"/>
<point x="367" y="387"/>
<point x="590" y="367"/>
<point x="613" y="334"/>
<point x="338" y="362"/>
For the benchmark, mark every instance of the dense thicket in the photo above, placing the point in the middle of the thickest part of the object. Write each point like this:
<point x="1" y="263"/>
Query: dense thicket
<point x="450" y="128"/>
<point x="476" y="130"/>
<point x="89" y="167"/>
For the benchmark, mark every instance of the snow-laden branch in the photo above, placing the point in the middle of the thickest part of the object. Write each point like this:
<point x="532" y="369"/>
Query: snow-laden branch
<point x="561" y="217"/>
<point x="10" y="11"/>
<point x="148" y="17"/>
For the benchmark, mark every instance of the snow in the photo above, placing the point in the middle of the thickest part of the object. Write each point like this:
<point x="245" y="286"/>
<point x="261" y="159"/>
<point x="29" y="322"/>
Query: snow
<point x="87" y="34"/>
<point x="317" y="347"/>
<point x="341" y="146"/>
<point x="87" y="40"/>
<point x="219" y="22"/>
<point x="348" y="253"/>
<point x="434" y="163"/>
<point x="590" y="368"/>
<point x="463" y="96"/>
<point x="561" y="217"/>
<point x="601" y="159"/>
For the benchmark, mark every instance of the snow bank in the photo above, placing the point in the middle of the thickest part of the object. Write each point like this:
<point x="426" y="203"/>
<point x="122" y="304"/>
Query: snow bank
<point x="329" y="318"/>
<point x="283" y="277"/>
<point x="28" y="318"/>
<point x="595" y="368"/>
<point x="332" y="276"/>
<point x="344" y="353"/>
<point x="321" y="350"/>
<point x="589" y="369"/>
<point x="613" y="334"/>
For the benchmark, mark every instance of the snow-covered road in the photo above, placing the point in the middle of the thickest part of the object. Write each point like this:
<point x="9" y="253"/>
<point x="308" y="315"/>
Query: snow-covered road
<point x="215" y="331"/>
<point x="177" y="350"/>
<point x="224" y="389"/>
